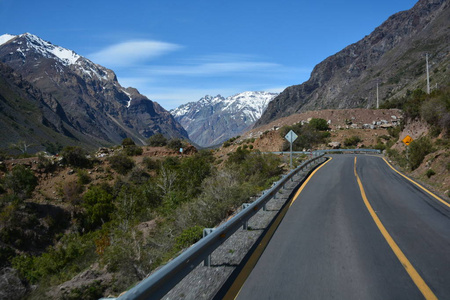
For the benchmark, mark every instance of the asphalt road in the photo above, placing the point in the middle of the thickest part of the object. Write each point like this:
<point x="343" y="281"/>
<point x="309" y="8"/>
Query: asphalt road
<point x="329" y="246"/>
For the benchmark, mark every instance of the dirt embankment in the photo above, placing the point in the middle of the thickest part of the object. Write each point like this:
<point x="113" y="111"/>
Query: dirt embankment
<point x="337" y="119"/>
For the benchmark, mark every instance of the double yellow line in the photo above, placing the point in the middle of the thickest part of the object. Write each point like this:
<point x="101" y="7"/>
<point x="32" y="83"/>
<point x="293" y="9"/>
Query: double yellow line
<point x="235" y="288"/>
<point x="420" y="283"/>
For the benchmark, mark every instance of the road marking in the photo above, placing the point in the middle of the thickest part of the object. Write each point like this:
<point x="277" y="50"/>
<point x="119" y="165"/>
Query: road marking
<point x="235" y="288"/>
<point x="433" y="195"/>
<point x="420" y="283"/>
<point x="306" y="181"/>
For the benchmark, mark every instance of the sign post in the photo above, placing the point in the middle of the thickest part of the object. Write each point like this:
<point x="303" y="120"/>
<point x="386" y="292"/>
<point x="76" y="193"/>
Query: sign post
<point x="291" y="137"/>
<point x="407" y="140"/>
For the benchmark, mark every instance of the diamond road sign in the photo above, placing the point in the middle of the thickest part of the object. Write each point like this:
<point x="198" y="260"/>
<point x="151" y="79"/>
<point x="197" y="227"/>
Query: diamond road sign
<point x="407" y="140"/>
<point x="291" y="136"/>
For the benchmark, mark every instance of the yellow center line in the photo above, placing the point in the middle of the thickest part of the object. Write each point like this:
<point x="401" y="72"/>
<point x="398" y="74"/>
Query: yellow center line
<point x="306" y="181"/>
<point x="238" y="283"/>
<point x="433" y="195"/>
<point x="420" y="283"/>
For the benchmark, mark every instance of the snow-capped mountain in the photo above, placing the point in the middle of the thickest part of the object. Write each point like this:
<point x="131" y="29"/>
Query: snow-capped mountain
<point x="87" y="97"/>
<point x="213" y="120"/>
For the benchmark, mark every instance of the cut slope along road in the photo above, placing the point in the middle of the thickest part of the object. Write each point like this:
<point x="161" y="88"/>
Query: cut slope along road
<point x="357" y="229"/>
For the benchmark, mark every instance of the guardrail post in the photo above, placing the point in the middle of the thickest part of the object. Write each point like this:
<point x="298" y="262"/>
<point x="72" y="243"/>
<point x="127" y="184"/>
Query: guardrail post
<point x="207" y="261"/>
<point x="245" y="225"/>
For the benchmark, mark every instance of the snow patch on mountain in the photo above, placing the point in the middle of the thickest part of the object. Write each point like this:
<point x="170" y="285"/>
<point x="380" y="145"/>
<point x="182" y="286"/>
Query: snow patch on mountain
<point x="65" y="56"/>
<point x="6" y="38"/>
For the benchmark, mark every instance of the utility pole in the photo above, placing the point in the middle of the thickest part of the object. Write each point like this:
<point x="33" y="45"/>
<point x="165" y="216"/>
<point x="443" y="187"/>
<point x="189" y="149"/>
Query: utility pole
<point x="378" y="102"/>
<point x="428" y="76"/>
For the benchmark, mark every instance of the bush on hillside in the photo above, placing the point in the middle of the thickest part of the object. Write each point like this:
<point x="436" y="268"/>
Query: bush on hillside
<point x="157" y="140"/>
<point x="418" y="149"/>
<point x="121" y="163"/>
<point x="352" y="141"/>
<point x="319" y="124"/>
<point x="99" y="207"/>
<point x="76" y="156"/>
<point x="175" y="144"/>
<point x="21" y="181"/>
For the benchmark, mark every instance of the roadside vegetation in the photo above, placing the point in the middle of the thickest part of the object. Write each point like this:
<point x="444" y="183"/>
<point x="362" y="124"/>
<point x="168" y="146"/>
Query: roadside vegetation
<point x="138" y="217"/>
<point x="309" y="135"/>
<point x="432" y="109"/>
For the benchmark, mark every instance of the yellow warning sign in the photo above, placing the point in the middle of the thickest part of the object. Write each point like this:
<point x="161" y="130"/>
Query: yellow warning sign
<point x="407" y="140"/>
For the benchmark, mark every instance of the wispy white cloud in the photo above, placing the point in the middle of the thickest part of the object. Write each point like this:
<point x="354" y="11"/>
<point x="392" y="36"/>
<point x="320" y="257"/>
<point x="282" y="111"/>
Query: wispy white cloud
<point x="131" y="53"/>
<point x="191" y="78"/>
<point x="216" y="68"/>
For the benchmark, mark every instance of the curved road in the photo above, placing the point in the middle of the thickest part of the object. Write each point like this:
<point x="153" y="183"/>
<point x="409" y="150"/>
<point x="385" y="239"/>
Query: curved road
<point x="381" y="238"/>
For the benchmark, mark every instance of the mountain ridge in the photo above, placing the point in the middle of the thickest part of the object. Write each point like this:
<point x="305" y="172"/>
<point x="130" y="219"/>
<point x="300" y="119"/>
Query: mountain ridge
<point x="393" y="54"/>
<point x="214" y="119"/>
<point x="87" y="94"/>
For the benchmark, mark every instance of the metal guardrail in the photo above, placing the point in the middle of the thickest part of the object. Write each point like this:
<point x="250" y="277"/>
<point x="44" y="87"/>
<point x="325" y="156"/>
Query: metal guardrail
<point x="349" y="151"/>
<point x="319" y="152"/>
<point x="162" y="281"/>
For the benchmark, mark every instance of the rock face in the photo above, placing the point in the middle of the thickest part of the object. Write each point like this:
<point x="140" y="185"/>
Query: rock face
<point x="84" y="96"/>
<point x="393" y="54"/>
<point x="213" y="120"/>
<point x="11" y="287"/>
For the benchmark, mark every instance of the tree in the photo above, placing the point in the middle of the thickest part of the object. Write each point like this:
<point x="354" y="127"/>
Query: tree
<point x="76" y="157"/>
<point x="21" y="181"/>
<point x="121" y="163"/>
<point x="22" y="146"/>
<point x="175" y="144"/>
<point x="98" y="205"/>
<point x="318" y="124"/>
<point x="128" y="142"/>
<point x="157" y="140"/>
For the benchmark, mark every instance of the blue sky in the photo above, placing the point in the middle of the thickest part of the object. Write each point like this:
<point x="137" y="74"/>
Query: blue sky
<point x="177" y="51"/>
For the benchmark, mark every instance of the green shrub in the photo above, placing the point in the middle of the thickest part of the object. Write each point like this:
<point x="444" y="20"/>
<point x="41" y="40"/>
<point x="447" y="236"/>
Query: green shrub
<point x="45" y="163"/>
<point x="128" y="142"/>
<point x="430" y="172"/>
<point x="151" y="164"/>
<point x="99" y="207"/>
<point x="175" y="144"/>
<point x="121" y="163"/>
<point x="76" y="156"/>
<point x="83" y="177"/>
<point x="21" y="181"/>
<point x="188" y="237"/>
<point x="157" y="140"/>
<point x="418" y="149"/>
<point x="396" y="156"/>
<point x="63" y="260"/>
<point x="53" y="148"/>
<point x="352" y="141"/>
<point x="92" y="291"/>
<point x="133" y="150"/>
<point x="380" y="146"/>
<point x="6" y="254"/>
<point x="319" y="124"/>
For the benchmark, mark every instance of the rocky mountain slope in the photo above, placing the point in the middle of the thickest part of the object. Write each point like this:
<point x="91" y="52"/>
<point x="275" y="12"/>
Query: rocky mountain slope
<point x="393" y="54"/>
<point x="83" y="101"/>
<point x="213" y="120"/>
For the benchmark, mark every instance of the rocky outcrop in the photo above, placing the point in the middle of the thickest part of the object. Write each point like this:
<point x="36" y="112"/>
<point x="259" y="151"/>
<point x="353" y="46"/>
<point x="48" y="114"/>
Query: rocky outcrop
<point x="393" y="54"/>
<point x="11" y="287"/>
